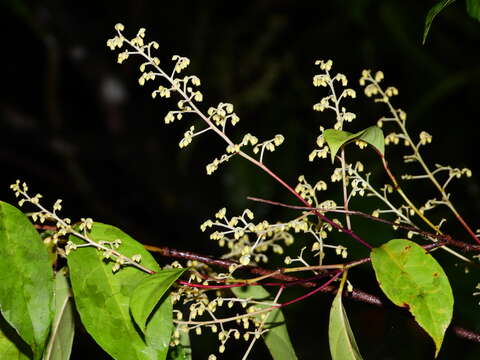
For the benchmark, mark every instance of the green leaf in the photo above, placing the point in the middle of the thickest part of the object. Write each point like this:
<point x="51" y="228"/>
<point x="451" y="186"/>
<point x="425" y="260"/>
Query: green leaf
<point x="102" y="299"/>
<point x="372" y="135"/>
<point x="63" y="328"/>
<point x="26" y="279"/>
<point x="12" y="347"/>
<point x="412" y="278"/>
<point x="473" y="9"/>
<point x="160" y="326"/>
<point x="340" y="336"/>
<point x="336" y="139"/>
<point x="434" y="11"/>
<point x="277" y="339"/>
<point x="182" y="351"/>
<point x="148" y="293"/>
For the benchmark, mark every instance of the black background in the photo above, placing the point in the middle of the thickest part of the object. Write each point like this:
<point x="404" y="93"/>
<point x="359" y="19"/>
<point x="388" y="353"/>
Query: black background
<point x="117" y="162"/>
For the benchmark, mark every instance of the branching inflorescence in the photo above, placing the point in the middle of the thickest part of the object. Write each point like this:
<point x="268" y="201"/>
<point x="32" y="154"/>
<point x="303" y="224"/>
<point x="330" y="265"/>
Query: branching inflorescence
<point x="248" y="241"/>
<point x="65" y="228"/>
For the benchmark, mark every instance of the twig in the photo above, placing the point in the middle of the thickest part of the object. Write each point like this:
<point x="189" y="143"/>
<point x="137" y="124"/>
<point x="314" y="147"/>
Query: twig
<point x="356" y="295"/>
<point x="466" y="247"/>
<point x="289" y="280"/>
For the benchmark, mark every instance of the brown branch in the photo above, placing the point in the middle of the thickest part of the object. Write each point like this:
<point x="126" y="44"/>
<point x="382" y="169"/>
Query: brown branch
<point x="356" y="294"/>
<point x="463" y="246"/>
<point x="465" y="334"/>
<point x="254" y="270"/>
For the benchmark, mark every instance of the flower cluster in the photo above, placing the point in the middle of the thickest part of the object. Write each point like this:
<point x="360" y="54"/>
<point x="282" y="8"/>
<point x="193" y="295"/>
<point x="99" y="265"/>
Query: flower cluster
<point x="80" y="231"/>
<point x="309" y="192"/>
<point x="246" y="239"/>
<point x="332" y="101"/>
<point x="202" y="304"/>
<point x="398" y="117"/>
<point x="215" y="118"/>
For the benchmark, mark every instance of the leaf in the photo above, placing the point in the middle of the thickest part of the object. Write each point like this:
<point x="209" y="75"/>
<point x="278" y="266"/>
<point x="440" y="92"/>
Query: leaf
<point x="160" y="326"/>
<point x="277" y="338"/>
<point x="434" y="11"/>
<point x="102" y="299"/>
<point x="182" y="351"/>
<point x="148" y="293"/>
<point x="12" y="347"/>
<point x="335" y="139"/>
<point x="63" y="328"/>
<point x="372" y="135"/>
<point x="412" y="278"/>
<point x="473" y="9"/>
<point x="340" y="336"/>
<point x="26" y="279"/>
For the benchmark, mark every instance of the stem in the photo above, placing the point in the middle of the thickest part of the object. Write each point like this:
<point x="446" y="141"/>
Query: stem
<point x="419" y="158"/>
<point x="257" y="279"/>
<point x="225" y="264"/>
<point x="416" y="210"/>
<point x="297" y="195"/>
<point x="342" y="282"/>
<point x="222" y="134"/>
<point x="262" y="324"/>
<point x="85" y="238"/>
<point x="467" y="247"/>
<point x="345" y="195"/>
<point x="399" y="190"/>
<point x="224" y="320"/>
<point x="339" y="119"/>
<point x="335" y="277"/>
<point x="356" y="295"/>
<point x="314" y="267"/>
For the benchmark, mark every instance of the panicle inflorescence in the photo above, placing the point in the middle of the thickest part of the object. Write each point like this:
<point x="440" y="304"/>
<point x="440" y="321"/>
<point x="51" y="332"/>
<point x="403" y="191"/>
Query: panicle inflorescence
<point x="65" y="228"/>
<point x="203" y="304"/>
<point x="372" y="88"/>
<point x="349" y="175"/>
<point x="248" y="241"/>
<point x="332" y="101"/>
<point x="216" y="118"/>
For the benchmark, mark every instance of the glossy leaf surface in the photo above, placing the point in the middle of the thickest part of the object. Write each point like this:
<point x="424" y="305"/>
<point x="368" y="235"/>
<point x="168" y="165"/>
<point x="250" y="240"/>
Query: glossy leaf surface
<point x="63" y="328"/>
<point x="412" y="278"/>
<point x="26" y="279"/>
<point x="103" y="299"/>
<point x="434" y="11"/>
<point x="11" y="345"/>
<point x="340" y="336"/>
<point x="372" y="135"/>
<point x="148" y="293"/>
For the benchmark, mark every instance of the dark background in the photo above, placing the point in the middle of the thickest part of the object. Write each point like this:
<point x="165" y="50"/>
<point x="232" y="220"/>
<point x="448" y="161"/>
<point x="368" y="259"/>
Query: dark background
<point x="75" y="125"/>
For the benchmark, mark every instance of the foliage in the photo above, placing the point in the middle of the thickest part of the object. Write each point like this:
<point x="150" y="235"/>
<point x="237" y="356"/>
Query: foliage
<point x="412" y="278"/>
<point x="342" y="342"/>
<point x="135" y="309"/>
<point x="473" y="9"/>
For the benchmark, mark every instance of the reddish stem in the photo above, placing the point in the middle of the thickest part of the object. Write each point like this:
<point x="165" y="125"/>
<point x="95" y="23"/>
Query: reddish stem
<point x="455" y="213"/>
<point x="214" y="287"/>
<point x="297" y="195"/>
<point x="464" y="246"/>
<point x="356" y="295"/>
<point x="465" y="225"/>
<point x="311" y="292"/>
<point x="241" y="284"/>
